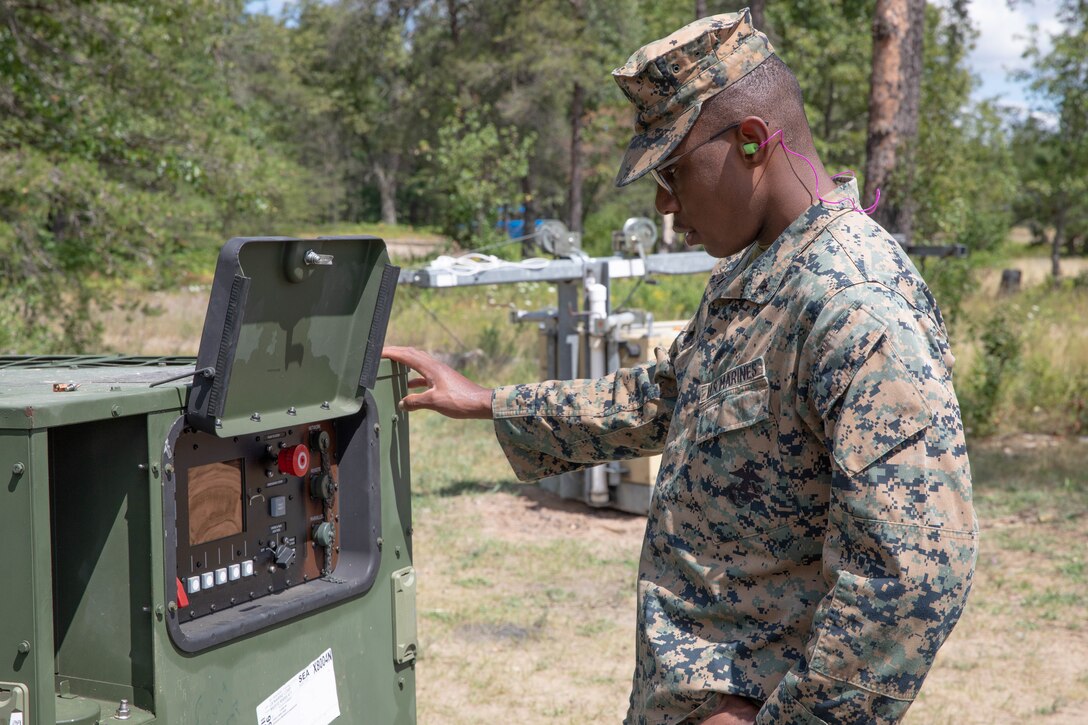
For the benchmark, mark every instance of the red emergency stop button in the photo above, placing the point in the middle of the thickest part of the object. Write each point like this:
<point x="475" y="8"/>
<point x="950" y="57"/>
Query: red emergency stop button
<point x="295" y="460"/>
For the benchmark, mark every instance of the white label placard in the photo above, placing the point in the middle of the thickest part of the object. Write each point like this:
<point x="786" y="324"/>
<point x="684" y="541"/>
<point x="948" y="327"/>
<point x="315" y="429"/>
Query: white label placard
<point x="308" y="698"/>
<point x="16" y="718"/>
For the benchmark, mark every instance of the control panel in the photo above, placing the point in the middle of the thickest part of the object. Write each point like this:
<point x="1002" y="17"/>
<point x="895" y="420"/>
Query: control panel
<point x="255" y="515"/>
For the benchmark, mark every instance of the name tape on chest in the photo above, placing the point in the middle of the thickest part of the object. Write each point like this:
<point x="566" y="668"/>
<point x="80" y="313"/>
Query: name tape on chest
<point x="735" y="376"/>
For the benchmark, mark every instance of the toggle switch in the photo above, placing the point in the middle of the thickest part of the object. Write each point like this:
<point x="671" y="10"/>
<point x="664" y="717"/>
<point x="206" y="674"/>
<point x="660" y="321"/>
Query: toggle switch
<point x="294" y="460"/>
<point x="285" y="555"/>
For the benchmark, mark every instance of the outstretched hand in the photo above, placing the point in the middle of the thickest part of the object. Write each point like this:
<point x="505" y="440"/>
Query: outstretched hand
<point x="447" y="391"/>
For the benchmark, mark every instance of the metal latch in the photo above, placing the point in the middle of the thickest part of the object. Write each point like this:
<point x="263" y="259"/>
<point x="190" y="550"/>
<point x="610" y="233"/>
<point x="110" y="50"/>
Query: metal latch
<point x="404" y="615"/>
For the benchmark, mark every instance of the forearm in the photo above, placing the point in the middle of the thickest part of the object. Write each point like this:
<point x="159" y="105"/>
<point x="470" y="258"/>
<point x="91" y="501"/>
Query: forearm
<point x="556" y="427"/>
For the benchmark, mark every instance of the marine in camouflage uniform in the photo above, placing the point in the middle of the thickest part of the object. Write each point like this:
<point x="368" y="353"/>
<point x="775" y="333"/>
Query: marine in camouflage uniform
<point x="811" y="540"/>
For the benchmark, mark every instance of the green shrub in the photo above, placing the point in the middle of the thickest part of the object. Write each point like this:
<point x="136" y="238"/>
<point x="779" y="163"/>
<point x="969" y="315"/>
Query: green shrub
<point x="999" y="358"/>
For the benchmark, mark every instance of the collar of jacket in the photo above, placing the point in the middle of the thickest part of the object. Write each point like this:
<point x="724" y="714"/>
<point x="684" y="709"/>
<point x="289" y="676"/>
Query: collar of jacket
<point x="760" y="281"/>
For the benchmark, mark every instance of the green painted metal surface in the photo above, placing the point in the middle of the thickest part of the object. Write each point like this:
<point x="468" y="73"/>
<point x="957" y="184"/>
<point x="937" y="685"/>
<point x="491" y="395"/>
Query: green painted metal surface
<point x="82" y="526"/>
<point x="87" y="600"/>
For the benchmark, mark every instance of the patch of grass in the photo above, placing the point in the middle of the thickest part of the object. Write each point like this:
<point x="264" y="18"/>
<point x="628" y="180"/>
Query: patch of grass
<point x="454" y="458"/>
<point x="594" y="627"/>
<point x="1050" y="709"/>
<point x="1048" y="484"/>
<point x="1073" y="568"/>
<point x="1046" y="390"/>
<point x="473" y="582"/>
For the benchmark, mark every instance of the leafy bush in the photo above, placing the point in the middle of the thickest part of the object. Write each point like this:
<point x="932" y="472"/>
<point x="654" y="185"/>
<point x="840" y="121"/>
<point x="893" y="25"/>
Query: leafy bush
<point x="999" y="357"/>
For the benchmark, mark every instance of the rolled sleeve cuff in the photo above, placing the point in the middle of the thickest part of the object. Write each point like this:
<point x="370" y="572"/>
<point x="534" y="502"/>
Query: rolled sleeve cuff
<point x="516" y="430"/>
<point x="815" y="699"/>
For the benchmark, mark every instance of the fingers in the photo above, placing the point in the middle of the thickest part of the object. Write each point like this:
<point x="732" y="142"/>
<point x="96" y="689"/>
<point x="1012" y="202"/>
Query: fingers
<point x="410" y="356"/>
<point x="419" y="383"/>
<point x="416" y="401"/>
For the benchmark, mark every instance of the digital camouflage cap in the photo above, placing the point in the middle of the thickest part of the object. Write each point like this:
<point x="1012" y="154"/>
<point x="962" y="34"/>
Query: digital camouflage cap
<point x="669" y="79"/>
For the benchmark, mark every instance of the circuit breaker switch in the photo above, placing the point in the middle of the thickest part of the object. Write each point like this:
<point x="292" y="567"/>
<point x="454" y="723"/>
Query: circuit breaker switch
<point x="295" y="460"/>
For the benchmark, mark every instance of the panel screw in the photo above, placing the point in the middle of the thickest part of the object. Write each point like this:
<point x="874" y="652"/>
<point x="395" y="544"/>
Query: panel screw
<point x="325" y="405"/>
<point x="18" y="468"/>
<point x="380" y="542"/>
<point x="123" y="713"/>
<point x="173" y="607"/>
<point x="218" y="422"/>
<point x="256" y="417"/>
<point x="292" y="411"/>
<point x="115" y="410"/>
<point x="168" y="469"/>
<point x="155" y="470"/>
<point x="24" y="647"/>
<point x="377" y="428"/>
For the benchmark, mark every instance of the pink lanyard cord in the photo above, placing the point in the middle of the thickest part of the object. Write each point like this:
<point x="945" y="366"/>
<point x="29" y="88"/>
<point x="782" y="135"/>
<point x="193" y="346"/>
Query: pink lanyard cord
<point x="853" y="204"/>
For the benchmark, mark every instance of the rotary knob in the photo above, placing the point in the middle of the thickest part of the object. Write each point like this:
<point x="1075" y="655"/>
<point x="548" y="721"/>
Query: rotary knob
<point x="294" y="460"/>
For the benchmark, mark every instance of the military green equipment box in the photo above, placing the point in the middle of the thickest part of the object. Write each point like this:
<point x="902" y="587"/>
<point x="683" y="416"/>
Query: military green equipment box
<point x="218" y="540"/>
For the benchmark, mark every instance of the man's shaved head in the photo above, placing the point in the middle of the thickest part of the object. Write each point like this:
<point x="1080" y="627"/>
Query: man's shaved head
<point x="769" y="91"/>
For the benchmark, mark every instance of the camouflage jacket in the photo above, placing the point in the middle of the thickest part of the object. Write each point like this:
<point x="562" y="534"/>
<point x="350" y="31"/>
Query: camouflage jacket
<point x="811" y="539"/>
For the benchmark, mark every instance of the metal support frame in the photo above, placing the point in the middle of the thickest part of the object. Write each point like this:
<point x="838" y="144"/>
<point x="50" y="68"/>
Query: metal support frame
<point x="567" y="335"/>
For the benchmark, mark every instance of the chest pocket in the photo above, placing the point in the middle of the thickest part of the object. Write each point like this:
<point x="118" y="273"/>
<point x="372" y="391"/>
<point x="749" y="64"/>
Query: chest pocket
<point x="734" y="468"/>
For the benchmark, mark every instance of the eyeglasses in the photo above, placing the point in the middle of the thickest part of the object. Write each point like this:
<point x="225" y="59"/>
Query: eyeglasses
<point x="663" y="174"/>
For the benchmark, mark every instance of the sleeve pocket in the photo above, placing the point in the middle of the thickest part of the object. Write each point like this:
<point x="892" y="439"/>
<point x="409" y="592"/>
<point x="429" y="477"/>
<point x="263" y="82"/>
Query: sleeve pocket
<point x="881" y="409"/>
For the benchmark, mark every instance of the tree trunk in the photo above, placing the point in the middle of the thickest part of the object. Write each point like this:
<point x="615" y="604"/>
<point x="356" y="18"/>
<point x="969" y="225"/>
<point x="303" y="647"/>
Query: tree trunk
<point x="913" y="49"/>
<point x="758" y="16"/>
<point x="890" y="22"/>
<point x="529" y="215"/>
<point x="452" y="8"/>
<point x="700" y="9"/>
<point x="386" y="177"/>
<point x="577" y="109"/>
<point x="1056" y="245"/>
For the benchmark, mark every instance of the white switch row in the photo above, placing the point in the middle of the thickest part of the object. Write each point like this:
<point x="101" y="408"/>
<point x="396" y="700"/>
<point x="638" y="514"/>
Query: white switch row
<point x="210" y="579"/>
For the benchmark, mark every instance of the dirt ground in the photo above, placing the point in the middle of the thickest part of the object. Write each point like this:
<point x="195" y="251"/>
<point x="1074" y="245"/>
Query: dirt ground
<point x="527" y="614"/>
